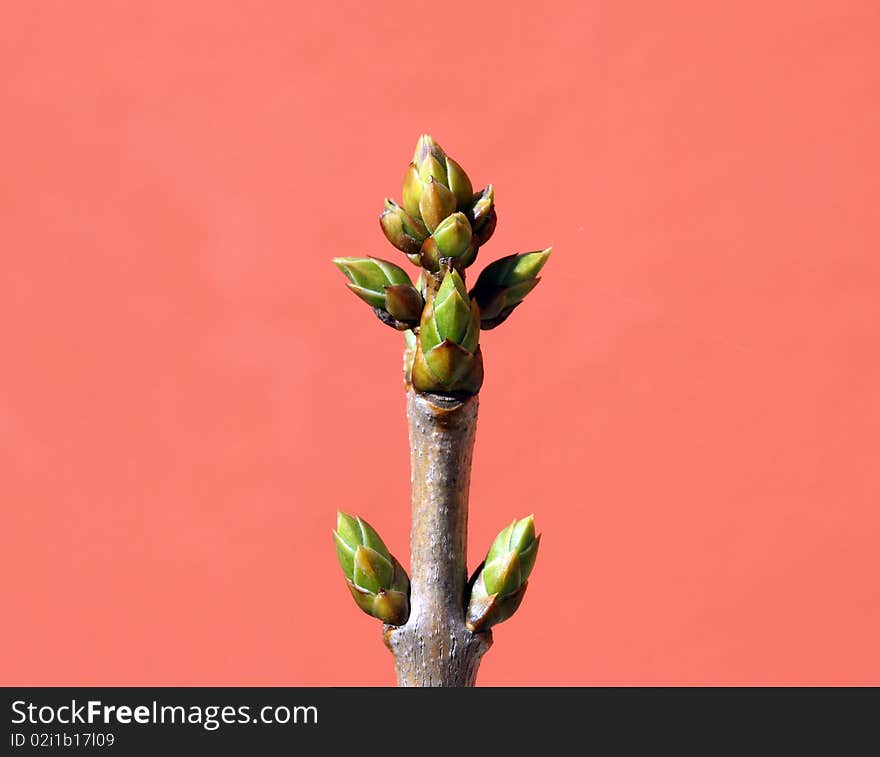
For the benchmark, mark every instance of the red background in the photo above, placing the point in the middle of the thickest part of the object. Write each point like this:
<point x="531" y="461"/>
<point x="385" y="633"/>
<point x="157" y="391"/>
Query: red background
<point x="688" y="402"/>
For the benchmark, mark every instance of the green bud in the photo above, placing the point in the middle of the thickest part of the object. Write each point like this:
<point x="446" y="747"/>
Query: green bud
<point x="452" y="309"/>
<point x="459" y="184"/>
<point x="503" y="284"/>
<point x="386" y="288"/>
<point x="376" y="580"/>
<point x="431" y="168"/>
<point x="435" y="204"/>
<point x="427" y="148"/>
<point x="452" y="191"/>
<point x="451" y="239"/>
<point x="404" y="303"/>
<point x="496" y="611"/>
<point x="356" y="531"/>
<point x="503" y="575"/>
<point x="412" y="190"/>
<point x="368" y="277"/>
<point x="482" y="214"/>
<point x="371" y="570"/>
<point x="402" y="230"/>
<point x="447" y="358"/>
<point x="498" y="586"/>
<point x="487" y="228"/>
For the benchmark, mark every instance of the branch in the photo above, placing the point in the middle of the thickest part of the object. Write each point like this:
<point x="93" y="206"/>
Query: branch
<point x="434" y="647"/>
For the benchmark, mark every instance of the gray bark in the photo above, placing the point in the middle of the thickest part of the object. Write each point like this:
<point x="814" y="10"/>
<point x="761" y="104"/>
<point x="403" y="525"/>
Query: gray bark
<point x="434" y="647"/>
